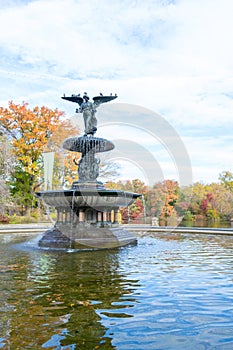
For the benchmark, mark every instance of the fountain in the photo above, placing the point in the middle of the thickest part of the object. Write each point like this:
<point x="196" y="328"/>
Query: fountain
<point x="87" y="214"/>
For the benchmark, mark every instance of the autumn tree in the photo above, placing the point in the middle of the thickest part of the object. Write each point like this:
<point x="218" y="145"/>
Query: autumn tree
<point x="206" y="202"/>
<point x="135" y="185"/>
<point x="7" y="162"/>
<point x="5" y="201"/>
<point x="132" y="213"/>
<point x="220" y="204"/>
<point x="170" y="190"/>
<point x="29" y="131"/>
<point x="65" y="162"/>
<point x="192" y="196"/>
<point x="226" y="179"/>
<point x="162" y="199"/>
<point x="135" y="210"/>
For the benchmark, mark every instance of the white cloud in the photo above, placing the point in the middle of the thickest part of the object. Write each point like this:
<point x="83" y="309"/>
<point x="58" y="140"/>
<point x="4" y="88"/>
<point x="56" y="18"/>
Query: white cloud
<point x="98" y="38"/>
<point x="210" y="156"/>
<point x="173" y="57"/>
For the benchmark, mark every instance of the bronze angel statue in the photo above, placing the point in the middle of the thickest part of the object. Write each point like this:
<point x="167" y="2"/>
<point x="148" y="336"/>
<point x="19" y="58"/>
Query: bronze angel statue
<point x="88" y="109"/>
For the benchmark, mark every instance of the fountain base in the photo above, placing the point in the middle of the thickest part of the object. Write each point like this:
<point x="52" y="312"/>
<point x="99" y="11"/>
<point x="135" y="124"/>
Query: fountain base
<point x="83" y="237"/>
<point x="87" y="218"/>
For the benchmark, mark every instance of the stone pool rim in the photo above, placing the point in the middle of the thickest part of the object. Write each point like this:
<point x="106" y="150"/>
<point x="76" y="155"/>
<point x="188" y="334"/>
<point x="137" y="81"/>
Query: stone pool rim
<point x="139" y="230"/>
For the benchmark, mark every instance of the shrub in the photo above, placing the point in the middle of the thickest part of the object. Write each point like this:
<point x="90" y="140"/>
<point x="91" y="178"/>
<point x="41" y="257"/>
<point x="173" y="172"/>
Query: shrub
<point x="4" y="219"/>
<point x="15" y="219"/>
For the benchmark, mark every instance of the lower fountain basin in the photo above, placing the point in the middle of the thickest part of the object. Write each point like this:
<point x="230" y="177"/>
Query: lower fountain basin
<point x="86" y="197"/>
<point x="87" y="218"/>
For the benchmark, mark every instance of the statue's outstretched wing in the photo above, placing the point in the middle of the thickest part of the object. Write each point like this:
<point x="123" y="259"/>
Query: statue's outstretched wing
<point x="101" y="99"/>
<point x="74" y="98"/>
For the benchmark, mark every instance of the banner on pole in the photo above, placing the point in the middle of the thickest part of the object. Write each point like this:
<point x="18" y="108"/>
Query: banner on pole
<point x="48" y="159"/>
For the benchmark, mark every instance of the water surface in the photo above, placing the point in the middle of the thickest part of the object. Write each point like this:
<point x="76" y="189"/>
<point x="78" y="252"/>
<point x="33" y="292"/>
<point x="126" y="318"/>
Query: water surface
<point x="168" y="292"/>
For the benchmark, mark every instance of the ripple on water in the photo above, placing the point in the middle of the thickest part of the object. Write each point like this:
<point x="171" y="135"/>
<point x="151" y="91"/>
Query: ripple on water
<point x="184" y="295"/>
<point x="165" y="293"/>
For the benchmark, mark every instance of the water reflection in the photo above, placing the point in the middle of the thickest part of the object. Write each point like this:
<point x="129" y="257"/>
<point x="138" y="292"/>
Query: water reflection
<point x="50" y="298"/>
<point x="169" y="292"/>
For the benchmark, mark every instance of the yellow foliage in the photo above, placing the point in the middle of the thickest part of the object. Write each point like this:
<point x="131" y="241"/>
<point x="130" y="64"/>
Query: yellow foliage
<point x="33" y="131"/>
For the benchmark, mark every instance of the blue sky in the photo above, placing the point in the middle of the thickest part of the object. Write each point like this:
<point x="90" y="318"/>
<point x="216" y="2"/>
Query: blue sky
<point x="173" y="57"/>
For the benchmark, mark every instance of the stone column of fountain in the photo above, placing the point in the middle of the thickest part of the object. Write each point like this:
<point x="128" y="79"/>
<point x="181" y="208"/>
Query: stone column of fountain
<point x="87" y="214"/>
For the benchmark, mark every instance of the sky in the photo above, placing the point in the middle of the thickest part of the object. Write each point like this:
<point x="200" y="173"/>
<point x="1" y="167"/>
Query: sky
<point x="171" y="58"/>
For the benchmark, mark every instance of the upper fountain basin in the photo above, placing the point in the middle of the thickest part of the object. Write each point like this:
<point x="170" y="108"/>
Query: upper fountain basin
<point x="84" y="144"/>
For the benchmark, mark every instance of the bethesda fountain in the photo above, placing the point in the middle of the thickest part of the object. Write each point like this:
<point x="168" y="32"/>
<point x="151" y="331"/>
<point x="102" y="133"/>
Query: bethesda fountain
<point x="87" y="214"/>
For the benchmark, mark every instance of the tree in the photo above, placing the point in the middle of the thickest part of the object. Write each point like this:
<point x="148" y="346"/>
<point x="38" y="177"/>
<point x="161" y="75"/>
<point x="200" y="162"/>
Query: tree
<point x="7" y="160"/>
<point x="108" y="170"/>
<point x="162" y="199"/>
<point x="222" y="200"/>
<point x="207" y="201"/>
<point x="5" y="200"/>
<point x="29" y="131"/>
<point x="194" y="195"/>
<point x="136" y="209"/>
<point x="226" y="179"/>
<point x="65" y="162"/>
<point x="170" y="189"/>
<point x="133" y="212"/>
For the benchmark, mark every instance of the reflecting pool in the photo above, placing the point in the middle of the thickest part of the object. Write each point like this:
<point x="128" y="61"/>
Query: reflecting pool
<point x="168" y="292"/>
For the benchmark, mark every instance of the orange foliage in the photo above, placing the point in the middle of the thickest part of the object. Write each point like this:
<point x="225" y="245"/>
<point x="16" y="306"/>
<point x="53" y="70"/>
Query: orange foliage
<point x="37" y="130"/>
<point x="29" y="130"/>
<point x="65" y="162"/>
<point x="170" y="192"/>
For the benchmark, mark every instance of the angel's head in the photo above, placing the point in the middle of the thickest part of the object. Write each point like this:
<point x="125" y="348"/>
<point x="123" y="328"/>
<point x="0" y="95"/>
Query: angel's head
<point x="85" y="97"/>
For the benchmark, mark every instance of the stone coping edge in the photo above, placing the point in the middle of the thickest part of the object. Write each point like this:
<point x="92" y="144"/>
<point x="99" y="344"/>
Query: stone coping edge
<point x="146" y="230"/>
<point x="24" y="228"/>
<point x="140" y="230"/>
